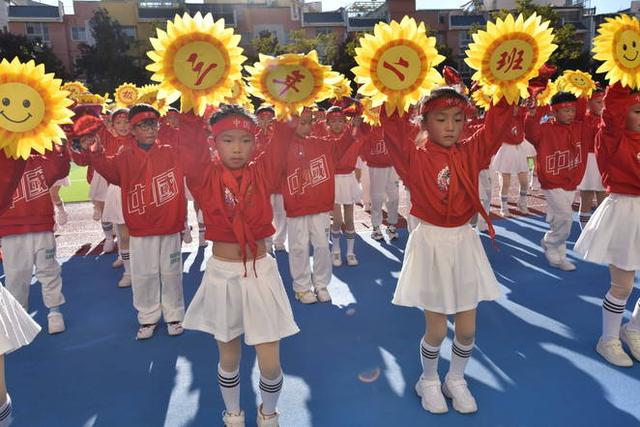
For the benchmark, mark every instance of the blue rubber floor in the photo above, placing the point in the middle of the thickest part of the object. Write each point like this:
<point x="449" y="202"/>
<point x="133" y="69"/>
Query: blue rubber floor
<point x="354" y="363"/>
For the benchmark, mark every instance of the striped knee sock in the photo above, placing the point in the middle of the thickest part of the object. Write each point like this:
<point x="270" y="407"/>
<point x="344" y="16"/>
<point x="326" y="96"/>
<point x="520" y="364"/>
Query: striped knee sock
<point x="126" y="262"/>
<point x="270" y="392"/>
<point x="612" y="310"/>
<point x="351" y="240"/>
<point x="584" y="219"/>
<point x="5" y="412"/>
<point x="504" y="203"/>
<point x="460" y="355"/>
<point x="634" y="323"/>
<point x="230" y="388"/>
<point x="429" y="356"/>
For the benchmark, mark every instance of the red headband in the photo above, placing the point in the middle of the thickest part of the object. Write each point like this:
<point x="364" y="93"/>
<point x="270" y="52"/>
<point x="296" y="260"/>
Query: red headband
<point x="556" y="107"/>
<point x="86" y="125"/>
<point x="442" y="104"/>
<point x="121" y="113"/>
<point x="336" y="114"/>
<point x="265" y="112"/>
<point x="145" y="115"/>
<point x="595" y="95"/>
<point x="233" y="122"/>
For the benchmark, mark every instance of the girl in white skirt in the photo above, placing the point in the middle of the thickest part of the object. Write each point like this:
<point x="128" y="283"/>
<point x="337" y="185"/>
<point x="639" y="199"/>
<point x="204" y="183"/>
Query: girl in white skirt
<point x="591" y="186"/>
<point x="241" y="291"/>
<point x="612" y="235"/>
<point x="511" y="159"/>
<point x="348" y="191"/>
<point x="445" y="270"/>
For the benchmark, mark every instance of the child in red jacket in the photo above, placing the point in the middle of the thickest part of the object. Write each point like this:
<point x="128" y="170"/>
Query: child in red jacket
<point x="26" y="230"/>
<point x="241" y="290"/>
<point x="612" y="235"/>
<point x="150" y="177"/>
<point x="560" y="163"/>
<point x="445" y="269"/>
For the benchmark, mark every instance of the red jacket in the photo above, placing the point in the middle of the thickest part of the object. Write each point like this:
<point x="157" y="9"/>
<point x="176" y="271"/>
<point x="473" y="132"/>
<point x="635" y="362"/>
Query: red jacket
<point x="31" y="209"/>
<point x="151" y="183"/>
<point x="9" y="178"/>
<point x="593" y="124"/>
<point x="444" y="181"/>
<point x="561" y="148"/>
<point x="618" y="150"/>
<point x="374" y="149"/>
<point x="348" y="146"/>
<point x="309" y="185"/>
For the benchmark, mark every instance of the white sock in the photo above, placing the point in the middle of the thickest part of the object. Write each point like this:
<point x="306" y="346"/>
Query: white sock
<point x="504" y="203"/>
<point x="429" y="356"/>
<point x="584" y="219"/>
<point x="351" y="240"/>
<point x="5" y="412"/>
<point x="612" y="310"/>
<point x="634" y="323"/>
<point x="107" y="229"/>
<point x="460" y="355"/>
<point x="229" y="383"/>
<point x="270" y="392"/>
<point x="335" y="241"/>
<point x="126" y="262"/>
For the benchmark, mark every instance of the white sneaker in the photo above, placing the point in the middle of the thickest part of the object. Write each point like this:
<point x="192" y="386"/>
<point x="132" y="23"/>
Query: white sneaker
<point x="56" y="323"/>
<point x="563" y="264"/>
<point x="457" y="390"/>
<point x="108" y="246"/>
<point x="430" y="391"/>
<point x="233" y="420"/>
<point x="186" y="235"/>
<point x="61" y="216"/>
<point x="631" y="338"/>
<point x="174" y="328"/>
<point x="336" y="259"/>
<point x="146" y="331"/>
<point x="125" y="281"/>
<point x="97" y="213"/>
<point x="376" y="234"/>
<point x="392" y="232"/>
<point x="322" y="295"/>
<point x="352" y="261"/>
<point x="118" y="263"/>
<point x="306" y="297"/>
<point x="504" y="212"/>
<point x="611" y="350"/>
<point x="279" y="247"/>
<point x="522" y="206"/>
<point x="264" y="421"/>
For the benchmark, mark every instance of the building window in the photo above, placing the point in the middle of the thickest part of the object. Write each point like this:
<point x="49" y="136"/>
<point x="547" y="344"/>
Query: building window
<point x="465" y="39"/>
<point x="441" y="18"/>
<point x="295" y="12"/>
<point x="129" y="31"/>
<point x="78" y="34"/>
<point x="38" y="31"/>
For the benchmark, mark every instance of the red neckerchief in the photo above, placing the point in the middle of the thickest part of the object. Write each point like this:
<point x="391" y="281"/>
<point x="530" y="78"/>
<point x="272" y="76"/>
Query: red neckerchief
<point x="238" y="183"/>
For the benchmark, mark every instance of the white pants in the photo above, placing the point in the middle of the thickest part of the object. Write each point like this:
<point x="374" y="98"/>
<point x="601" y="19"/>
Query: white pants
<point x="303" y="230"/>
<point x="364" y="182"/>
<point x="21" y="253"/>
<point x="279" y="219"/>
<point x="484" y="190"/>
<point x="156" y="278"/>
<point x="560" y="219"/>
<point x="384" y="185"/>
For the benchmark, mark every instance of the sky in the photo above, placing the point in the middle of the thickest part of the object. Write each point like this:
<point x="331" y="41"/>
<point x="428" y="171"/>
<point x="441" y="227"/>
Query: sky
<point x="602" y="6"/>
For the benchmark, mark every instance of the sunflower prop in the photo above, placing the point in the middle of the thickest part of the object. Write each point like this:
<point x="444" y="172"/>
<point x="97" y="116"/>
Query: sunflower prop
<point x="32" y="108"/>
<point x="89" y="98"/>
<point x="370" y="115"/>
<point x="618" y="46"/>
<point x="396" y="64"/>
<point x="291" y="82"/>
<point x="509" y="53"/>
<point x="196" y="59"/>
<point x="74" y="88"/>
<point x="148" y="94"/>
<point x="342" y="88"/>
<point x="544" y="97"/>
<point x="482" y="98"/>
<point x="577" y="82"/>
<point x="239" y="95"/>
<point x="126" y="95"/>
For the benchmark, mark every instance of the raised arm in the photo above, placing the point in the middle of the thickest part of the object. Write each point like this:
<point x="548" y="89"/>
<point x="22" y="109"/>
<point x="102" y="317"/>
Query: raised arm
<point x="532" y="125"/>
<point x="617" y="101"/>
<point x="273" y="160"/>
<point x="499" y="124"/>
<point x="399" y="137"/>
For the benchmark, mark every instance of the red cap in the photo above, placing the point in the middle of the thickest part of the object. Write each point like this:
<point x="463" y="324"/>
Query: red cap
<point x="87" y="125"/>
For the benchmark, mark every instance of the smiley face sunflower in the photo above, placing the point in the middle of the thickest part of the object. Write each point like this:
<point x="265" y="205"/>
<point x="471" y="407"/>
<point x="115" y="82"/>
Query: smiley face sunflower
<point x="577" y="82"/>
<point x="32" y="108"/>
<point x="618" y="46"/>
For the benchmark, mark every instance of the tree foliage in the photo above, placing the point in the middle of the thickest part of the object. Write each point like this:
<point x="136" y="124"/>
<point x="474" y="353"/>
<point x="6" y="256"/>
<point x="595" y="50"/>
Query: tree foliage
<point x="107" y="63"/>
<point x="18" y="45"/>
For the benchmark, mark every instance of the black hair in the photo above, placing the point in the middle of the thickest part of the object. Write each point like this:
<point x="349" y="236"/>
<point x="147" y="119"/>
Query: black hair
<point x="124" y="111"/>
<point x="562" y="97"/>
<point x="444" y="92"/>
<point x="265" y="108"/>
<point x="230" y="110"/>
<point x="598" y="90"/>
<point x="142" y="108"/>
<point x="172" y="110"/>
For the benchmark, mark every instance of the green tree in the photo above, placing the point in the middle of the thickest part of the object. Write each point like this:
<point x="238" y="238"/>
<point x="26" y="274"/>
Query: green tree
<point x="17" y="45"/>
<point x="266" y="43"/>
<point x="107" y="63"/>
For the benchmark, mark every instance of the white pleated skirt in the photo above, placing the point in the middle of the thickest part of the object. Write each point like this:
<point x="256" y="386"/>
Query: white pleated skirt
<point x="511" y="159"/>
<point x="17" y="328"/>
<point x="592" y="180"/>
<point x="348" y="189"/>
<point x="445" y="270"/>
<point x="98" y="188"/>
<point x="612" y="235"/>
<point x="227" y="304"/>
<point x="113" y="206"/>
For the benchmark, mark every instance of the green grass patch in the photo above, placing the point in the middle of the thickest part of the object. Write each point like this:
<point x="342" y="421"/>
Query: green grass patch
<point x="78" y="191"/>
